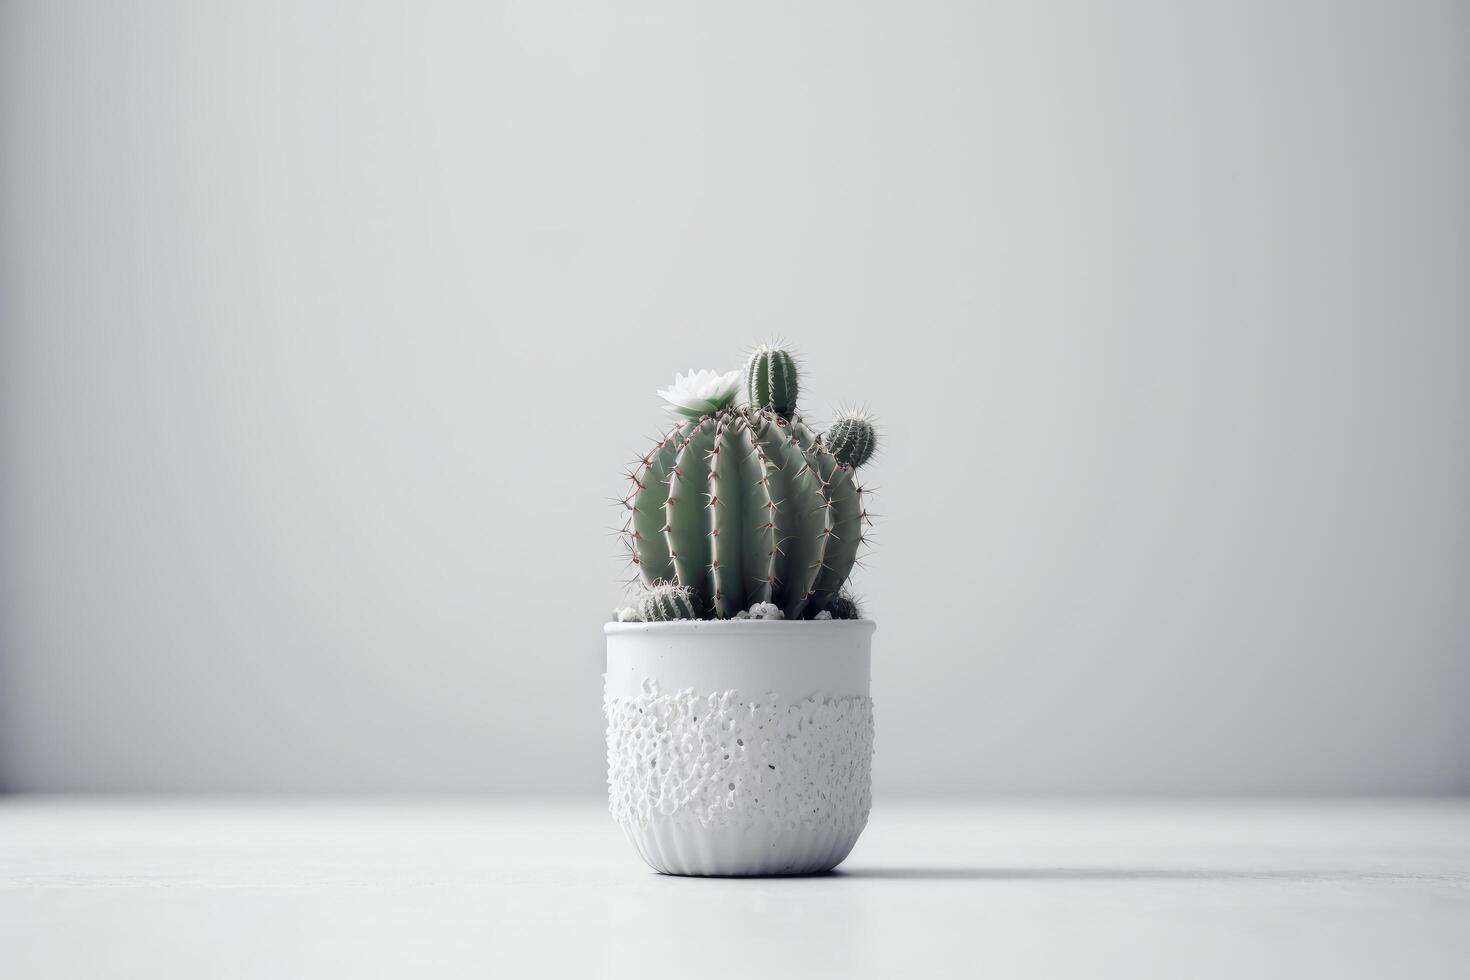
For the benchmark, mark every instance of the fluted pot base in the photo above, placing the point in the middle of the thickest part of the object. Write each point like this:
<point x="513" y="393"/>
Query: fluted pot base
<point x="761" y="849"/>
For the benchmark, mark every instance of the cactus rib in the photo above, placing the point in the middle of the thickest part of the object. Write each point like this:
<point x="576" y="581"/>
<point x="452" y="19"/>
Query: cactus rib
<point x="650" y="491"/>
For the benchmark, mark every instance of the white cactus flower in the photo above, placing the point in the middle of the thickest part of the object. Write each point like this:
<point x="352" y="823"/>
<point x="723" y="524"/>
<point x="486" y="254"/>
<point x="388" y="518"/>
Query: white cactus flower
<point x="701" y="393"/>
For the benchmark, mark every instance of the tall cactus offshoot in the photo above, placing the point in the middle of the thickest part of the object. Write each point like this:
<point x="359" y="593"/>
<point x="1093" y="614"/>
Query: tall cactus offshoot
<point x="771" y="381"/>
<point x="741" y="505"/>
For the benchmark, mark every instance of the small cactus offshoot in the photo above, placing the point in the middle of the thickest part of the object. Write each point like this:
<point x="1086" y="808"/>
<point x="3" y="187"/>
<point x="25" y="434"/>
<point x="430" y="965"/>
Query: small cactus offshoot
<point x="852" y="438"/>
<point x="740" y="505"/>
<point x="666" y="602"/>
<point x="844" y="606"/>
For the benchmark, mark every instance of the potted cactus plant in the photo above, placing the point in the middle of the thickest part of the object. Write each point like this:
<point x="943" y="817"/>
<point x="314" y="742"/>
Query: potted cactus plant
<point x="739" y="722"/>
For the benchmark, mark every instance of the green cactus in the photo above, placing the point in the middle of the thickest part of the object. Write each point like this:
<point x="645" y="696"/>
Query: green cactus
<point x="771" y="380"/>
<point x="746" y="505"/>
<point x="664" y="602"/>
<point x="852" y="439"/>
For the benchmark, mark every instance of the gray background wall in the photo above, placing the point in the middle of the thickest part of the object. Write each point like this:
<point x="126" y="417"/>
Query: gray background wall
<point x="326" y="328"/>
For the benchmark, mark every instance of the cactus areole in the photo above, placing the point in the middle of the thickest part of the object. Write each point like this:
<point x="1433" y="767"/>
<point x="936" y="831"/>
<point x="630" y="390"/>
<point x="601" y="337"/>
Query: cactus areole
<point x="740" y="505"/>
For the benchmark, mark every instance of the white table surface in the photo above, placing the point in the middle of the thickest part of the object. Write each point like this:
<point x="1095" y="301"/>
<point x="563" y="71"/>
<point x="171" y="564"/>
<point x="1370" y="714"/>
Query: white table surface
<point x="206" y="889"/>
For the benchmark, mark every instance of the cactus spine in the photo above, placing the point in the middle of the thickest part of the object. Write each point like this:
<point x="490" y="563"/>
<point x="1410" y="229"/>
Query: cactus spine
<point x="770" y="380"/>
<point x="746" y="505"/>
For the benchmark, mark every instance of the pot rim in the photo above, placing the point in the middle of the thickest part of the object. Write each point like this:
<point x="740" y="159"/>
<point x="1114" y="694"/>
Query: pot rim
<point x="693" y="626"/>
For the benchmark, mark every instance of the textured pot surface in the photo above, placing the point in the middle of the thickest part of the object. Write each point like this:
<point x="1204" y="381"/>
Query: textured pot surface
<point x="740" y="748"/>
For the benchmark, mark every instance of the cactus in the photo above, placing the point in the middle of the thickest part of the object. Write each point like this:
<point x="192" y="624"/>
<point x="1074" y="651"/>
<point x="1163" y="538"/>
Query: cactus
<point x="771" y="380"/>
<point x="745" y="505"/>
<point x="852" y="438"/>
<point x="844" y="606"/>
<point x="664" y="602"/>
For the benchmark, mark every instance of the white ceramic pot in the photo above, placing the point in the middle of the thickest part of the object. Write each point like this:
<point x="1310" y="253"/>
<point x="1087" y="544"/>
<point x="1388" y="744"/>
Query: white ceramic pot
<point x="740" y="747"/>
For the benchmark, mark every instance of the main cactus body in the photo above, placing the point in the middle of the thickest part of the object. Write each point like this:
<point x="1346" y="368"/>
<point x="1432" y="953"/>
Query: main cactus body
<point x="736" y="506"/>
<point x="745" y="506"/>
